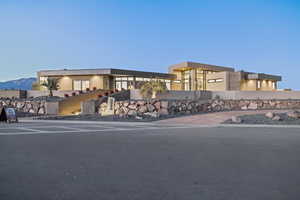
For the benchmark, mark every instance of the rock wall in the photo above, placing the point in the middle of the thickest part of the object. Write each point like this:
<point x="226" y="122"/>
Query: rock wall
<point x="157" y="108"/>
<point x="25" y="105"/>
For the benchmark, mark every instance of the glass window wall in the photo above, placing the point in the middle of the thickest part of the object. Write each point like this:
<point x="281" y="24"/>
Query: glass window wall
<point x="43" y="79"/>
<point x="136" y="82"/>
<point x="187" y="79"/>
<point x="198" y="80"/>
<point x="81" y="84"/>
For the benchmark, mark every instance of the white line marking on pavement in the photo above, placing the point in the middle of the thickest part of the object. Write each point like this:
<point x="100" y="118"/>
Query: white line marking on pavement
<point x="28" y="129"/>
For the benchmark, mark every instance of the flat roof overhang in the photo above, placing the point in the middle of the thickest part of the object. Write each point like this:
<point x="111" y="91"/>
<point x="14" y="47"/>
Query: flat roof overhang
<point x="111" y="72"/>
<point x="261" y="76"/>
<point x="193" y="65"/>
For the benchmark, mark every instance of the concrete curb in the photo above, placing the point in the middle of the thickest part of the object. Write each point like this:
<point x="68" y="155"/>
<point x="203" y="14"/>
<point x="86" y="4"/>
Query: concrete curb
<point x="258" y="126"/>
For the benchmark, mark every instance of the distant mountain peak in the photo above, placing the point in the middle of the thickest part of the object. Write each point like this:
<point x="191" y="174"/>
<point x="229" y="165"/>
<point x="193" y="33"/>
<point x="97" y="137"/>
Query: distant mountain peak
<point x="21" y="84"/>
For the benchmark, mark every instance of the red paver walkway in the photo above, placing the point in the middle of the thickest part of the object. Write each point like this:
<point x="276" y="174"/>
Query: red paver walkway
<point x="213" y="118"/>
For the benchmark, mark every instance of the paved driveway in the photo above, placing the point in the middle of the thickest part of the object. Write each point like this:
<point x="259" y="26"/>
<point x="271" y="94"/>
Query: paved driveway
<point x="144" y="161"/>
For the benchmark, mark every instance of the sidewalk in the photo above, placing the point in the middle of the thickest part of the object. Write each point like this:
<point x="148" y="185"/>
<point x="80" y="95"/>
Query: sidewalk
<point x="213" y="118"/>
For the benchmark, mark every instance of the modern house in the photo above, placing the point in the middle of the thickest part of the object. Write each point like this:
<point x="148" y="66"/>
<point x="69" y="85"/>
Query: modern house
<point x="182" y="76"/>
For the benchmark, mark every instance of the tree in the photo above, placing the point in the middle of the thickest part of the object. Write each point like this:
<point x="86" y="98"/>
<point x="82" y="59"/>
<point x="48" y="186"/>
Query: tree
<point x="152" y="88"/>
<point x="51" y="84"/>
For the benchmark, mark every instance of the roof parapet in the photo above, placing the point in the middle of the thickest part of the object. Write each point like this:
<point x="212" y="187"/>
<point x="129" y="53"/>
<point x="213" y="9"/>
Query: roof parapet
<point x="262" y="76"/>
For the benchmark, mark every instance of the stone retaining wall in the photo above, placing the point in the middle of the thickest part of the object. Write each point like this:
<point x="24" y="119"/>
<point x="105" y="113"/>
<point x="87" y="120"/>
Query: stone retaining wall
<point x="25" y="105"/>
<point x="157" y="108"/>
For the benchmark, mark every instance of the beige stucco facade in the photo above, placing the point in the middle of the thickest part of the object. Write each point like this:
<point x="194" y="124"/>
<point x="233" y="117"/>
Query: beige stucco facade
<point x="66" y="83"/>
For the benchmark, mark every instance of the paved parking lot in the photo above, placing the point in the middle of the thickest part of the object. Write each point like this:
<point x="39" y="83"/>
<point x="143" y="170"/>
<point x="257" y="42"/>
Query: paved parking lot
<point x="133" y="161"/>
<point x="52" y="127"/>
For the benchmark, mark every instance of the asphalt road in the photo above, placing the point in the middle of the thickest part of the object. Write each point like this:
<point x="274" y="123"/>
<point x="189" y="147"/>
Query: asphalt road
<point x="46" y="161"/>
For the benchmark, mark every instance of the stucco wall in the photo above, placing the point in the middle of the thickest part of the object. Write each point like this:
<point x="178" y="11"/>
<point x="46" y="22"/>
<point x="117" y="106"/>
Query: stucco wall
<point x="256" y="94"/>
<point x="66" y="82"/>
<point x="12" y="94"/>
<point x="97" y="82"/>
<point x="193" y="95"/>
<point x="217" y="86"/>
<point x="179" y="95"/>
<point x="72" y="104"/>
<point x="36" y="93"/>
<point x="266" y="85"/>
<point x="248" y="85"/>
<point x="234" y="82"/>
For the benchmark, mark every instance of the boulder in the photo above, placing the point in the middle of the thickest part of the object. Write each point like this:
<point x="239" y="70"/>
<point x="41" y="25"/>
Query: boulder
<point x="218" y="108"/>
<point x="164" y="104"/>
<point x="236" y="119"/>
<point x="41" y="111"/>
<point x="272" y="104"/>
<point x="142" y="109"/>
<point x="157" y="105"/>
<point x="276" y="118"/>
<point x="31" y="110"/>
<point x="244" y="108"/>
<point x="132" y="106"/>
<point x="253" y="106"/>
<point x="163" y="111"/>
<point x="141" y="103"/>
<point x="138" y="117"/>
<point x="293" y="114"/>
<point x="270" y="115"/>
<point x="150" y="107"/>
<point x="152" y="114"/>
<point x="190" y="106"/>
<point x="132" y="113"/>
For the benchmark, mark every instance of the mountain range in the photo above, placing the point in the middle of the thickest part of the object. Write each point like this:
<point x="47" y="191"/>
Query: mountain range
<point x="21" y="84"/>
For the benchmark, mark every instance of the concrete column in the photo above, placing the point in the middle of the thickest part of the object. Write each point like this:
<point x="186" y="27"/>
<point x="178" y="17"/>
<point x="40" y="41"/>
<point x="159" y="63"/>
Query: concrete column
<point x="52" y="108"/>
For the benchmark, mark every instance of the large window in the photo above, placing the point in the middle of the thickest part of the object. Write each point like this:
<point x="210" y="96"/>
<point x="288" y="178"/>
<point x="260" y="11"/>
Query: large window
<point x="136" y="82"/>
<point x="200" y="79"/>
<point x="196" y="79"/>
<point x="81" y="84"/>
<point x="43" y="79"/>
<point x="123" y="83"/>
<point x="187" y="80"/>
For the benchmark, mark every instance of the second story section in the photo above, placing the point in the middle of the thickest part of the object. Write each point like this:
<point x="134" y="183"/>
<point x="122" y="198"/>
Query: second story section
<point x="198" y="76"/>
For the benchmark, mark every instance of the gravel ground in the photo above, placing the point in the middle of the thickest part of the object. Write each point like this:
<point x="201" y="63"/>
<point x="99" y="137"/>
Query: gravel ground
<point x="262" y="119"/>
<point x="26" y="114"/>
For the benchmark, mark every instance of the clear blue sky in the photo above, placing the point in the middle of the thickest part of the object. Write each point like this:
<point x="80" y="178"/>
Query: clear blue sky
<point x="253" y="35"/>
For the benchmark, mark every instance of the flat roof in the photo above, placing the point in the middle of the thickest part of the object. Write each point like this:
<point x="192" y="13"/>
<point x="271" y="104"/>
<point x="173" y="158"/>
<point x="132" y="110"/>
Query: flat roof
<point x="193" y="65"/>
<point x="262" y="76"/>
<point x="104" y="71"/>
